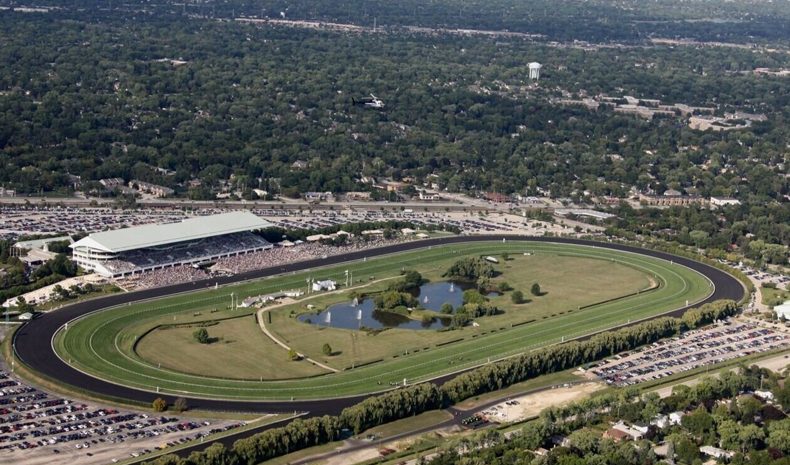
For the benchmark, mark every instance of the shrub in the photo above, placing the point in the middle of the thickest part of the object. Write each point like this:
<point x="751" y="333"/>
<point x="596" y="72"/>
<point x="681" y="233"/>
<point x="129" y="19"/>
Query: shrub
<point x="159" y="405"/>
<point x="504" y="287"/>
<point x="180" y="405"/>
<point x="201" y="335"/>
<point x="473" y="296"/>
<point x="535" y="289"/>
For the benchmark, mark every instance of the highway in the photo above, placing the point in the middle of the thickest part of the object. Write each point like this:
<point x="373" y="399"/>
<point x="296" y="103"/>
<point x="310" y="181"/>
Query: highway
<point x="32" y="342"/>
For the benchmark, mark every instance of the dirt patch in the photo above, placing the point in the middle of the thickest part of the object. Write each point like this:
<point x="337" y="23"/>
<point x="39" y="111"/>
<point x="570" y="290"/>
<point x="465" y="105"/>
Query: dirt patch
<point x="531" y="405"/>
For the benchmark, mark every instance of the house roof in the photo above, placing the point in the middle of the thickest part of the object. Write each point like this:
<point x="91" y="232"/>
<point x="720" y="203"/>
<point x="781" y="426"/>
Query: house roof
<point x="616" y="433"/>
<point x="152" y="235"/>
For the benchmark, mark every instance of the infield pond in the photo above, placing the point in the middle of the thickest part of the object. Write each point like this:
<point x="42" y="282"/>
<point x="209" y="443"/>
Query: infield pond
<point x="346" y="315"/>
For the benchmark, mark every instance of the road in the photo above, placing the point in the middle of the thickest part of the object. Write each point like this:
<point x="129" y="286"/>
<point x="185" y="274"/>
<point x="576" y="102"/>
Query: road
<point x="32" y="342"/>
<point x="445" y="205"/>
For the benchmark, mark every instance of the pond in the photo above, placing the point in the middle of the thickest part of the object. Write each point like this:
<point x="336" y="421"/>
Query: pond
<point x="431" y="296"/>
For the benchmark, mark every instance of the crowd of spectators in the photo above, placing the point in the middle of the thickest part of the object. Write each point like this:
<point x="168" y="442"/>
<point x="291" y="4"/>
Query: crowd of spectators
<point x="163" y="277"/>
<point x="274" y="257"/>
<point x="283" y="255"/>
<point x="200" y="250"/>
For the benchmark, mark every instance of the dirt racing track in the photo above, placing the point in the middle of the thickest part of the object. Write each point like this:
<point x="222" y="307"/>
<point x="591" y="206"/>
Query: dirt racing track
<point x="33" y="342"/>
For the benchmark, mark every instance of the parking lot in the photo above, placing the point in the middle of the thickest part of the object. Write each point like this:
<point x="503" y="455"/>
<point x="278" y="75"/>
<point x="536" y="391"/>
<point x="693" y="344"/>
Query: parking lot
<point x="530" y="405"/>
<point x="707" y="346"/>
<point x="37" y="427"/>
<point x="16" y="221"/>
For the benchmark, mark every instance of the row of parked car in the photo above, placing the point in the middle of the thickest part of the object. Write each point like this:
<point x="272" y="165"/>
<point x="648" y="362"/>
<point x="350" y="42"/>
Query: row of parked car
<point x="691" y="350"/>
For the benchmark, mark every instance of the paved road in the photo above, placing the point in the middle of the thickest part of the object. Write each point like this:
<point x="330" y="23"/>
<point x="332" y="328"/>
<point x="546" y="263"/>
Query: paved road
<point x="32" y="343"/>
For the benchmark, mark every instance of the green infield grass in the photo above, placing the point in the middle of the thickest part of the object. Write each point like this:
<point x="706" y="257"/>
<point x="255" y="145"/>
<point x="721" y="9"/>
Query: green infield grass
<point x="587" y="289"/>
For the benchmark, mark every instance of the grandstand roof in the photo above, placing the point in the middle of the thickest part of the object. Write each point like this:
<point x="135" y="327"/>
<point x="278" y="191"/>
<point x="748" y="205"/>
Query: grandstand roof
<point x="152" y="235"/>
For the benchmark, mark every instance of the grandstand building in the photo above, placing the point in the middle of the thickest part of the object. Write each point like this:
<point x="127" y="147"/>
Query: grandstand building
<point x="194" y="241"/>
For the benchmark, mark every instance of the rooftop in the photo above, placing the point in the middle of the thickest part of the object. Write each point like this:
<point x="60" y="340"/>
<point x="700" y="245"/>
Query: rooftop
<point x="152" y="235"/>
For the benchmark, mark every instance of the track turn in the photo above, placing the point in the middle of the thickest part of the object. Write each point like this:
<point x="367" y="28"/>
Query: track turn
<point x="32" y="342"/>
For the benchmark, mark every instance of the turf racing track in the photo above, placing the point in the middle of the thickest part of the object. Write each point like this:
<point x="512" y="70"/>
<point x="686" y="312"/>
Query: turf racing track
<point x="33" y="343"/>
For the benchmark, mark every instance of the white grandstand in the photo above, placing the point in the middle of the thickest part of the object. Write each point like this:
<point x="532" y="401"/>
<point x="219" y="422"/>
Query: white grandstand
<point x="194" y="241"/>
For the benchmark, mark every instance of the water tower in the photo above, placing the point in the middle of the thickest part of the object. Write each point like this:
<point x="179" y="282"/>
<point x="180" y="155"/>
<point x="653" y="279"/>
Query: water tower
<point x="534" y="70"/>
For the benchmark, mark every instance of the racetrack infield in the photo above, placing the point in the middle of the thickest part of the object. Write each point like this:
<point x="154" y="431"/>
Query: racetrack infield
<point x="32" y="341"/>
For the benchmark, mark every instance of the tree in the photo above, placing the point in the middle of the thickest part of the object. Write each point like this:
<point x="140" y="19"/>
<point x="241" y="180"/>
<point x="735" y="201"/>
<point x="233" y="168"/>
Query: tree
<point x="505" y="256"/>
<point x="749" y="407"/>
<point x="180" y="405"/>
<point x="584" y="440"/>
<point x="391" y="300"/>
<point x="686" y="450"/>
<point x="729" y="432"/>
<point x="201" y="335"/>
<point x="535" y="289"/>
<point x="411" y="279"/>
<point x="471" y="268"/>
<point x="783" y="397"/>
<point x="293" y="355"/>
<point x="473" y="296"/>
<point x="327" y="350"/>
<point x="159" y="405"/>
<point x="447" y="308"/>
<point x="62" y="293"/>
<point x="215" y="454"/>
<point x="536" y="433"/>
<point x="698" y="423"/>
<point x="779" y="437"/>
<point x="750" y="436"/>
<point x="22" y="306"/>
<point x="517" y="297"/>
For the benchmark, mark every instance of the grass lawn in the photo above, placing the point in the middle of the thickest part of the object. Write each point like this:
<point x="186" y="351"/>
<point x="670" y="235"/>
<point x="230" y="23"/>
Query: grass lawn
<point x="238" y="349"/>
<point x="424" y="420"/>
<point x="102" y="344"/>
<point x="298" y="455"/>
<point x="567" y="282"/>
<point x="774" y="297"/>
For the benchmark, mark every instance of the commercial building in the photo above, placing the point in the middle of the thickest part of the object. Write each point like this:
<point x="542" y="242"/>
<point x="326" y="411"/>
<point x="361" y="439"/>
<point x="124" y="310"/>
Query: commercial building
<point x="153" y="189"/>
<point x="723" y="201"/>
<point x="783" y="310"/>
<point x="194" y="241"/>
<point x="670" y="198"/>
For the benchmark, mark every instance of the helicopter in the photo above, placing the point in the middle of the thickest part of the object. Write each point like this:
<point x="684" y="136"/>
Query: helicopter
<point x="370" y="102"/>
